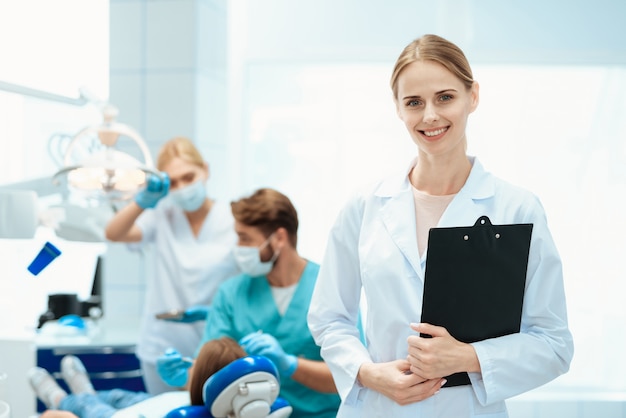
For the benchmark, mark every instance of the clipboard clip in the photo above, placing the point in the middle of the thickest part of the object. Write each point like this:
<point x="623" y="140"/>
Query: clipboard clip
<point x="482" y="222"/>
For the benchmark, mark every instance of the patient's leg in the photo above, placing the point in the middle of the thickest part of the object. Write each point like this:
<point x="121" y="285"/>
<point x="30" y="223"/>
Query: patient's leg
<point x="120" y="398"/>
<point x="87" y="405"/>
<point x="103" y="404"/>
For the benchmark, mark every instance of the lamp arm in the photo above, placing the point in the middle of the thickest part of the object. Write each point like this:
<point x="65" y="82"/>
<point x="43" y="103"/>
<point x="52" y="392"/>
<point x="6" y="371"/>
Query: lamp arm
<point x="70" y="146"/>
<point x="134" y="135"/>
<point x="117" y="128"/>
<point x="64" y="170"/>
<point x="67" y="169"/>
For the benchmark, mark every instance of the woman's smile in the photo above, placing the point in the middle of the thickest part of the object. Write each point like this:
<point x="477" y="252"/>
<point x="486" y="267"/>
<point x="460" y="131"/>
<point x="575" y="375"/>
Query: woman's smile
<point x="434" y="134"/>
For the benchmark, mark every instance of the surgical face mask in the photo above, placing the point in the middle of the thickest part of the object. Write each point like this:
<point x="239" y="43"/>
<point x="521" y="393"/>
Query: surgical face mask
<point x="249" y="260"/>
<point x="191" y="197"/>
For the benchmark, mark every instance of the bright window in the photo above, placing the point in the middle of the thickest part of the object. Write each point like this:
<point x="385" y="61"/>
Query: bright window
<point x="55" y="48"/>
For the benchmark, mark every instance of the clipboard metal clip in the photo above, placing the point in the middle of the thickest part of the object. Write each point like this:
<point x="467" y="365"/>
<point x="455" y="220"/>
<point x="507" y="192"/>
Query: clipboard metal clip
<point x="484" y="222"/>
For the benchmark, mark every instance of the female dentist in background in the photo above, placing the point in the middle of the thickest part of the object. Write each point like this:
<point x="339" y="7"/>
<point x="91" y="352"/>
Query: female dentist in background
<point x="378" y="244"/>
<point x="193" y="236"/>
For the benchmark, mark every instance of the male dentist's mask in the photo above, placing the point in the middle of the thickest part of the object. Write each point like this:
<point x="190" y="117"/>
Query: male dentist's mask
<point x="249" y="259"/>
<point x="191" y="197"/>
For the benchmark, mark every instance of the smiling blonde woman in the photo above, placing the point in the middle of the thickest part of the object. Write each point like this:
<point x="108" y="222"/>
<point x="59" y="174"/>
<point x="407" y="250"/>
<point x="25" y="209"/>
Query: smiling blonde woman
<point x="378" y="247"/>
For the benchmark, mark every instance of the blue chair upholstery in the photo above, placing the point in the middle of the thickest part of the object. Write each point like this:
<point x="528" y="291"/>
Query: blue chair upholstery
<point x="189" y="411"/>
<point x="246" y="388"/>
<point x="280" y="409"/>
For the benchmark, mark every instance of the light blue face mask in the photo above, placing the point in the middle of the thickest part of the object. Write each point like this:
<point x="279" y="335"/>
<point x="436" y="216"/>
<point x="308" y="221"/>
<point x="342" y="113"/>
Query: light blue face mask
<point x="191" y="197"/>
<point x="249" y="260"/>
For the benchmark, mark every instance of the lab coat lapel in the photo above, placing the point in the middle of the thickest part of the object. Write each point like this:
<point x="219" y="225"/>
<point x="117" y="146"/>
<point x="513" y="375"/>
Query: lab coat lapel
<point x="398" y="216"/>
<point x="464" y="209"/>
<point x="398" y="209"/>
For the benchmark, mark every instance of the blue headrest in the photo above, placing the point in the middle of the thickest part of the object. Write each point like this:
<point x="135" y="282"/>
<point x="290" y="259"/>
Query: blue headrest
<point x="190" y="411"/>
<point x="246" y="388"/>
<point x="280" y="409"/>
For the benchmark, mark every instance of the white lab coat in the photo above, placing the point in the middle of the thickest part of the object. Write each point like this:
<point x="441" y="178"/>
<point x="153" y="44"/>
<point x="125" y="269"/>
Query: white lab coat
<point x="188" y="271"/>
<point x="373" y="246"/>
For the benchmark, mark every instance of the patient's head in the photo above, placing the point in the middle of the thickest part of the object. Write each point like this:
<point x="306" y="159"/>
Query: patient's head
<point x="213" y="356"/>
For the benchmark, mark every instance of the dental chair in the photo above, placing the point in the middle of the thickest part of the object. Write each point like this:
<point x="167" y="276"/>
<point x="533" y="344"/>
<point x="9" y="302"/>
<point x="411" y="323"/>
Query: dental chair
<point x="246" y="388"/>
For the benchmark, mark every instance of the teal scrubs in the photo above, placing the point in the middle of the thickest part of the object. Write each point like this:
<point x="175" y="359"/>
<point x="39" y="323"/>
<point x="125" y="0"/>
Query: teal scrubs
<point x="245" y="304"/>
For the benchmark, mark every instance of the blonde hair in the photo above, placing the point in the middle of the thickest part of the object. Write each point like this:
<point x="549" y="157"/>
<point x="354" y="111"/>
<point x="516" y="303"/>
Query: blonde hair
<point x="437" y="49"/>
<point x="179" y="147"/>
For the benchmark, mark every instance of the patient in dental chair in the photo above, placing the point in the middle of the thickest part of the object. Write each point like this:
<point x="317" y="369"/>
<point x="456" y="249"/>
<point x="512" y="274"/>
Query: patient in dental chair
<point x="85" y="402"/>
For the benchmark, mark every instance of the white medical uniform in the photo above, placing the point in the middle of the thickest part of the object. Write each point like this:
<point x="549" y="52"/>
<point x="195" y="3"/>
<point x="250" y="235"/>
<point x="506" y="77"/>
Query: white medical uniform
<point x="373" y="246"/>
<point x="188" y="271"/>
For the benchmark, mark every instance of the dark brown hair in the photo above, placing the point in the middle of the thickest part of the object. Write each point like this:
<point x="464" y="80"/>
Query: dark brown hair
<point x="268" y="210"/>
<point x="213" y="356"/>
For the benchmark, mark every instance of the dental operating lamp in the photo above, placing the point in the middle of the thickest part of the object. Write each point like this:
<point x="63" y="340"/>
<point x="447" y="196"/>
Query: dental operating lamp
<point x="106" y="172"/>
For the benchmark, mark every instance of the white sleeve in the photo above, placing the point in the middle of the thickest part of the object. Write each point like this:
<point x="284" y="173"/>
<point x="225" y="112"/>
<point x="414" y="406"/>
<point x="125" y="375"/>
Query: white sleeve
<point x="147" y="223"/>
<point x="334" y="311"/>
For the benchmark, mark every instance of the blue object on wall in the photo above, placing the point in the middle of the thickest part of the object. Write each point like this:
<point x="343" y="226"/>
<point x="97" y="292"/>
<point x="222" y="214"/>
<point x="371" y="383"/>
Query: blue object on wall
<point x="46" y="255"/>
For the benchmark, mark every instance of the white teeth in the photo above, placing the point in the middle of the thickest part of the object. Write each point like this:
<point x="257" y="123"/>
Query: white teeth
<point x="434" y="133"/>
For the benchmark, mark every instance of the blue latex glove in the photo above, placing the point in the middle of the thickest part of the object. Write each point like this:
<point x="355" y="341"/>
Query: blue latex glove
<point x="193" y="314"/>
<point x="259" y="344"/>
<point x="156" y="188"/>
<point x="172" y="367"/>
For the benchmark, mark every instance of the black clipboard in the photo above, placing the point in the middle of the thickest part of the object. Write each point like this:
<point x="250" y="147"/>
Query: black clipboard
<point x="474" y="281"/>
